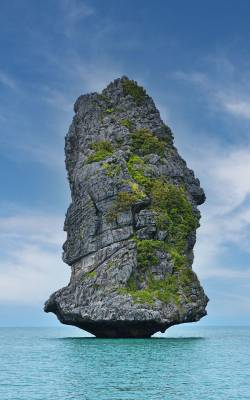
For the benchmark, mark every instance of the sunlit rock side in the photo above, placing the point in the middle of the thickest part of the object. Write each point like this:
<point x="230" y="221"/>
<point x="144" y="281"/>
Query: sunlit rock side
<point x="131" y="225"/>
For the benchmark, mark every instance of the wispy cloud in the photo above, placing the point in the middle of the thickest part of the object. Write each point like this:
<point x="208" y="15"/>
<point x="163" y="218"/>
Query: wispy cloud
<point x="239" y="108"/>
<point x="7" y="80"/>
<point x="48" y="156"/>
<point x="73" y="12"/>
<point x="193" y="77"/>
<point x="225" y="87"/>
<point x="59" y="99"/>
<point x="226" y="215"/>
<point x="95" y="77"/>
<point x="222" y="251"/>
<point x="222" y="255"/>
<point x="69" y="73"/>
<point x="31" y="266"/>
<point x="77" y="9"/>
<point x="32" y="227"/>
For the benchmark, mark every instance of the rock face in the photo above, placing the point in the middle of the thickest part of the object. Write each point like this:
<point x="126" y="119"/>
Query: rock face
<point x="131" y="226"/>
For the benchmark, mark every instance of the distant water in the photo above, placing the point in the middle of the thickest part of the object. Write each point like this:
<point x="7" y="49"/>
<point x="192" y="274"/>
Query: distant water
<point x="188" y="363"/>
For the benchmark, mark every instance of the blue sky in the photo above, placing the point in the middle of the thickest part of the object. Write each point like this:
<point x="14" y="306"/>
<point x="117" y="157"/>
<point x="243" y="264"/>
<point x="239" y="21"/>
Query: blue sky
<point x="193" y="58"/>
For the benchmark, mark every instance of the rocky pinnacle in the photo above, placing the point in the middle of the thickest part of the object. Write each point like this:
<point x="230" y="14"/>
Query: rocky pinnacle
<point x="131" y="225"/>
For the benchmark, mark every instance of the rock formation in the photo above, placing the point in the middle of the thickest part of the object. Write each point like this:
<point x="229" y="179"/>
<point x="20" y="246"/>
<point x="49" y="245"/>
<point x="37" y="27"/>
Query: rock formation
<point x="131" y="226"/>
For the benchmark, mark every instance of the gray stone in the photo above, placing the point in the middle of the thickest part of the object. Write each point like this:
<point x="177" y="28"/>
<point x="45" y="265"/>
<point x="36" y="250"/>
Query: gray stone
<point x="100" y="248"/>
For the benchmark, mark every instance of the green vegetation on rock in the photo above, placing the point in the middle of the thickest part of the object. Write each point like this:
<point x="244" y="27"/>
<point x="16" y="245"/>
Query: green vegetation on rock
<point x="102" y="149"/>
<point x="109" y="110"/>
<point x="168" y="289"/>
<point x="145" y="142"/>
<point x="112" y="169"/>
<point x="165" y="290"/>
<point x="137" y="168"/>
<point x="111" y="264"/>
<point x="147" y="252"/>
<point x="89" y="275"/>
<point x="127" y="123"/>
<point x="102" y="97"/>
<point x="125" y="200"/>
<point x="175" y="214"/>
<point x="137" y="92"/>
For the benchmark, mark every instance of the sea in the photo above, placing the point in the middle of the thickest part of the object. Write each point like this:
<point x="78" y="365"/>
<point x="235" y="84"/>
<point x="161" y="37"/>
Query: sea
<point x="186" y="363"/>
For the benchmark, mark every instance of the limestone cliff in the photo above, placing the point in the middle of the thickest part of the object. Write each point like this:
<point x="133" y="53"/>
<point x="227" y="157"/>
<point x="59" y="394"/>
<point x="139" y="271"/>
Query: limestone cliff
<point x="131" y="226"/>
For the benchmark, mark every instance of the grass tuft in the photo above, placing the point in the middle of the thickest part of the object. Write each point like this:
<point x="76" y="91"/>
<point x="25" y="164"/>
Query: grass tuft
<point x="137" y="92"/>
<point x="102" y="149"/>
<point x="145" y="142"/>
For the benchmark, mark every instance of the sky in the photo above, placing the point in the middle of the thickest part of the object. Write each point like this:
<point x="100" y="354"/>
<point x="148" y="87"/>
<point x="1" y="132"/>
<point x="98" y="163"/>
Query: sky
<point x="193" y="58"/>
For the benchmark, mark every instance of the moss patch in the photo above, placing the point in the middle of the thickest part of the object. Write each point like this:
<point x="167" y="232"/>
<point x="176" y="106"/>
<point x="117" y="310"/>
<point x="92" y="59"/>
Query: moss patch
<point x="109" y="110"/>
<point x="137" y="168"/>
<point x="125" y="200"/>
<point x="112" y="169"/>
<point x="137" y="92"/>
<point x="175" y="213"/>
<point x="165" y="290"/>
<point x="147" y="252"/>
<point x="168" y="290"/>
<point x="89" y="275"/>
<point x="145" y="142"/>
<point x="104" y="98"/>
<point x="102" y="149"/>
<point x="127" y="123"/>
<point x="111" y="264"/>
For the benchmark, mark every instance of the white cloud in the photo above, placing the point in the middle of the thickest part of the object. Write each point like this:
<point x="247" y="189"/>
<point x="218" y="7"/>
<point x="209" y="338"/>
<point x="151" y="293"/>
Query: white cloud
<point x="32" y="227"/>
<point x="30" y="275"/>
<point x="193" y="77"/>
<point x="229" y="174"/>
<point x="237" y="107"/>
<point x="31" y="267"/>
<point x="225" y="221"/>
<point x="223" y="85"/>
<point x="48" y="156"/>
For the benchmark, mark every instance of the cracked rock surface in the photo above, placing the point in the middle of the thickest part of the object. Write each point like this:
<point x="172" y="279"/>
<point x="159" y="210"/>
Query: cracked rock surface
<point x="131" y="225"/>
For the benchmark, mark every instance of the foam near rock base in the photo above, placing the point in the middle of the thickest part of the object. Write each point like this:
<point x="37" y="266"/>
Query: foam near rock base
<point x="131" y="226"/>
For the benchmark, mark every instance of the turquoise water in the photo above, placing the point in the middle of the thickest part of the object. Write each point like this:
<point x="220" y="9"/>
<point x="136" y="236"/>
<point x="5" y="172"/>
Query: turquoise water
<point x="188" y="363"/>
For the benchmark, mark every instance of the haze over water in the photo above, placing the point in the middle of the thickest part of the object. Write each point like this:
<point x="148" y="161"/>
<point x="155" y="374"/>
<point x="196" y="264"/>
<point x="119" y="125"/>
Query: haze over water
<point x="208" y="363"/>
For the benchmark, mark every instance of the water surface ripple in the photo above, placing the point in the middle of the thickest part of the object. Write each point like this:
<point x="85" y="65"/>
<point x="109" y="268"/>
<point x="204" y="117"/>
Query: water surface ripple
<point x="201" y="364"/>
